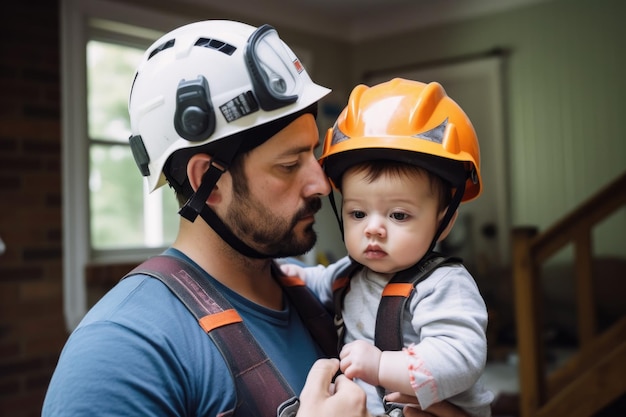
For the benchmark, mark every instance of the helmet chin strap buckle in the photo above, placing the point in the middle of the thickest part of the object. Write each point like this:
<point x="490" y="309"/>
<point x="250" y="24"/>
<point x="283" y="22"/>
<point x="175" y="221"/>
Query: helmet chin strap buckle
<point x="196" y="203"/>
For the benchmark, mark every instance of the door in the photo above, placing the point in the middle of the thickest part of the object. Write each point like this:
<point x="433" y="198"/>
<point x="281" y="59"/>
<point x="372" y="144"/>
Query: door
<point x="481" y="235"/>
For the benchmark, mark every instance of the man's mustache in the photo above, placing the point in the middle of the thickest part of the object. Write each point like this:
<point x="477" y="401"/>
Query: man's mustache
<point x="312" y="206"/>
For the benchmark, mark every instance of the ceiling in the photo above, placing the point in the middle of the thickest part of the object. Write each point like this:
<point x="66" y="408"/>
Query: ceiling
<point x="358" y="20"/>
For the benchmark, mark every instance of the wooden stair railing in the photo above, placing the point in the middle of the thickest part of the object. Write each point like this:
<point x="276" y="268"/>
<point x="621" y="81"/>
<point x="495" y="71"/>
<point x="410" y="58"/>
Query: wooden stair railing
<point x="594" y="376"/>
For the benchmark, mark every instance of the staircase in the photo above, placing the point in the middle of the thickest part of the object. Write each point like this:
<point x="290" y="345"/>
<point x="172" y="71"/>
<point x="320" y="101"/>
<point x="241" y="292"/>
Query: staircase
<point x="595" y="376"/>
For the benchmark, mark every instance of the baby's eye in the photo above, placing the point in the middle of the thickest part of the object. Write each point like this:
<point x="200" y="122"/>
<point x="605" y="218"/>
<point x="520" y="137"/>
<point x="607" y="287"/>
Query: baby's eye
<point x="399" y="216"/>
<point x="357" y="214"/>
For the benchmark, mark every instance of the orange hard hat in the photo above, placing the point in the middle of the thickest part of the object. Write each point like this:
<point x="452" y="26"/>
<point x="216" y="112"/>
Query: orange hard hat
<point x="406" y="121"/>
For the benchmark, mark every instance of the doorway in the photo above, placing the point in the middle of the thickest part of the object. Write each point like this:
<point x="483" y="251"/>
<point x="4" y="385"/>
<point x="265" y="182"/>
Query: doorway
<point x="481" y="235"/>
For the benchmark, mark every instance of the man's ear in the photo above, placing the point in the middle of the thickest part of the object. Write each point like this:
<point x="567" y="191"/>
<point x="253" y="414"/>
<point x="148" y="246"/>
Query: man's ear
<point x="450" y="225"/>
<point x="196" y="168"/>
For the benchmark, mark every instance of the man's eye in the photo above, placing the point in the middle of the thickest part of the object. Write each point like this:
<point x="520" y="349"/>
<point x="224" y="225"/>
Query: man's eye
<point x="290" y="167"/>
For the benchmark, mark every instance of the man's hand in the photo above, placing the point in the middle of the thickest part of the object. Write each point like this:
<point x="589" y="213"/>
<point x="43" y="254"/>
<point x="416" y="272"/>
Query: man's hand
<point x="320" y="397"/>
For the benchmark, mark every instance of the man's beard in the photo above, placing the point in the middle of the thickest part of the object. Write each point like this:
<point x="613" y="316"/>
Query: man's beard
<point x="268" y="233"/>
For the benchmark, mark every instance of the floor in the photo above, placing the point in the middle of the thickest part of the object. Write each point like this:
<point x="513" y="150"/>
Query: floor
<point x="501" y="377"/>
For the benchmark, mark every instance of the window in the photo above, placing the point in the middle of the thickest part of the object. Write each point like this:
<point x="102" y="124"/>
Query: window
<point x="122" y="214"/>
<point x="108" y="217"/>
<point x="106" y="206"/>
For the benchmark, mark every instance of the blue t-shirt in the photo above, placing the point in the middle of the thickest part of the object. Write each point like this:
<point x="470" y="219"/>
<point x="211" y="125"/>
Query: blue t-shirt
<point x="140" y="352"/>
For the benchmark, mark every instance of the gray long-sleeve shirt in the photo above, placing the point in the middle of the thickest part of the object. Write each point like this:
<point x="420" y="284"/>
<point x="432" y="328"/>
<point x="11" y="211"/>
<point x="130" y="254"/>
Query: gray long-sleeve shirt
<point x="446" y="323"/>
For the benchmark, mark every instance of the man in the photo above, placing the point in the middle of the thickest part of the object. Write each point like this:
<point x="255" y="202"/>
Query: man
<point x="225" y="114"/>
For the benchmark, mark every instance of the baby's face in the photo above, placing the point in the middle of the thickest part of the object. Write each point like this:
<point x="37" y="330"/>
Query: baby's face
<point x="389" y="223"/>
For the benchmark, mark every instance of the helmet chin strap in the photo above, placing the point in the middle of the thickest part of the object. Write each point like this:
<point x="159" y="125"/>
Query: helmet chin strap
<point x="452" y="207"/>
<point x="337" y="211"/>
<point x="220" y="162"/>
<point x="211" y="218"/>
<point x="196" y="205"/>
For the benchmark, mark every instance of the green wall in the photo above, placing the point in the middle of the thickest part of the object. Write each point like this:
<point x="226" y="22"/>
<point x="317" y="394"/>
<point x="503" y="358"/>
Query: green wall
<point x="565" y="90"/>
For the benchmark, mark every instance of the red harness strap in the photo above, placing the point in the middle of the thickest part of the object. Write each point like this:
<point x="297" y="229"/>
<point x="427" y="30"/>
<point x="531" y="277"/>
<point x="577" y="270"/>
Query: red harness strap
<point x="312" y="313"/>
<point x="245" y="358"/>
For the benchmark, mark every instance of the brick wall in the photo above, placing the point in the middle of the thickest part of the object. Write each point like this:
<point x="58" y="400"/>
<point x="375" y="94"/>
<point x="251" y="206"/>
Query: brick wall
<point x="32" y="330"/>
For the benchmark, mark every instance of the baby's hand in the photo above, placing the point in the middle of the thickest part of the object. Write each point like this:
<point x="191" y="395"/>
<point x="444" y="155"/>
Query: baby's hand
<point x="292" y="270"/>
<point x="360" y="359"/>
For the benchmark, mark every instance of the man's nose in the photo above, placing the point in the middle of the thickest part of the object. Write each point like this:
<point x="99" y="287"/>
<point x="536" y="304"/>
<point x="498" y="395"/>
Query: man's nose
<point x="317" y="181"/>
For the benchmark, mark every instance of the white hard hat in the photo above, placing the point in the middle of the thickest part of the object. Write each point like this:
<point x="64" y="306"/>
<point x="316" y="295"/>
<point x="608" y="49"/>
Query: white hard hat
<point x="210" y="80"/>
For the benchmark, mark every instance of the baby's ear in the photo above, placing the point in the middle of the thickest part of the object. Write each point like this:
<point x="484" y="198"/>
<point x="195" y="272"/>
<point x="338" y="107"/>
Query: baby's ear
<point x="450" y="225"/>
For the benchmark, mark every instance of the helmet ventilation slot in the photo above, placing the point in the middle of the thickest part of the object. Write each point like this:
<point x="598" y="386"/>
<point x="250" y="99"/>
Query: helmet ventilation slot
<point x="218" y="45"/>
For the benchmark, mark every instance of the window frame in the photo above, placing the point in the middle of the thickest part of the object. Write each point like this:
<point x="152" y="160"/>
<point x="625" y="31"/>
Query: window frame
<point x="82" y="20"/>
